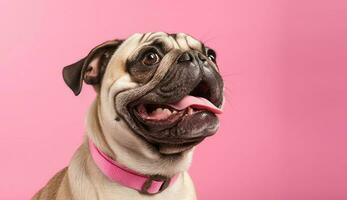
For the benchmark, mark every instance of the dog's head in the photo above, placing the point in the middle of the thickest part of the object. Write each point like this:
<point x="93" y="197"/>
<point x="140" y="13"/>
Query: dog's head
<point x="165" y="88"/>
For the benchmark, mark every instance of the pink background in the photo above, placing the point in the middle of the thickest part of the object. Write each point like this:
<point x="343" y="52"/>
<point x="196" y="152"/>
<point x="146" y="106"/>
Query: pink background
<point x="284" y="132"/>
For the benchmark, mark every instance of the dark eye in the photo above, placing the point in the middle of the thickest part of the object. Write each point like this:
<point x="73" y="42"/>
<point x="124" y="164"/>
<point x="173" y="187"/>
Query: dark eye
<point x="211" y="55"/>
<point x="150" y="58"/>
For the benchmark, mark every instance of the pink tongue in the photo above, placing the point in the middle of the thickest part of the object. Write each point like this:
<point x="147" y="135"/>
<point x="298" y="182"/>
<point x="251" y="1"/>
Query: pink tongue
<point x="196" y="102"/>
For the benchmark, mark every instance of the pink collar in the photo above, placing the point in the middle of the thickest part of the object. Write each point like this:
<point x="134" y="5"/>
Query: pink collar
<point x="126" y="177"/>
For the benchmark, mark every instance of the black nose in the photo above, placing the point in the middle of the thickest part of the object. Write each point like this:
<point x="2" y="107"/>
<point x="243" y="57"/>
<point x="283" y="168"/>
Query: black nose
<point x="185" y="57"/>
<point x="191" y="56"/>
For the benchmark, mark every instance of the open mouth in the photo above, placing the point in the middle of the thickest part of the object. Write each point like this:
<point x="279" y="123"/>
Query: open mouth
<point x="196" y="101"/>
<point x="170" y="113"/>
<point x="157" y="117"/>
<point x="176" y="127"/>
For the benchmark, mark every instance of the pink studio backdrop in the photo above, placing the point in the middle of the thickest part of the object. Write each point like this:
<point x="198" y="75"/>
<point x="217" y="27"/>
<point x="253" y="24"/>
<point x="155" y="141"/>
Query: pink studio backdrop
<point x="284" y="132"/>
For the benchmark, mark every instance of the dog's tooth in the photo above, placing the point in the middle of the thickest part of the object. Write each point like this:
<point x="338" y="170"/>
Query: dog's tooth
<point x="167" y="111"/>
<point x="159" y="110"/>
<point x="190" y="110"/>
<point x="174" y="112"/>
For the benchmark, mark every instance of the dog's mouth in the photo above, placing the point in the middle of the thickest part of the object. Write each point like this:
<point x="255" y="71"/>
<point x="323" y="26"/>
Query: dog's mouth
<point x="178" y="126"/>
<point x="164" y="115"/>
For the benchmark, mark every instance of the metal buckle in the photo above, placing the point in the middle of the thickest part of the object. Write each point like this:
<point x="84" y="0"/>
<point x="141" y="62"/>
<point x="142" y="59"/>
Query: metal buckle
<point x="149" y="181"/>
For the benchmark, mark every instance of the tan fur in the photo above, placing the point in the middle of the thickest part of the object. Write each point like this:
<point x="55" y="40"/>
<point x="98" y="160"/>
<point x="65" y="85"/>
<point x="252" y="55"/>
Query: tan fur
<point x="82" y="180"/>
<point x="51" y="190"/>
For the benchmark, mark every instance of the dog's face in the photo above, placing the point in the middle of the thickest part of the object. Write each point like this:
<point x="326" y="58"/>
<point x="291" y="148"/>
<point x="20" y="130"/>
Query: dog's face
<point x="154" y="85"/>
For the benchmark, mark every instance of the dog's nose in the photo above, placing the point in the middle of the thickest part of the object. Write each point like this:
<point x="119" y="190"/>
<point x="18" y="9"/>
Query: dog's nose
<point x="191" y="56"/>
<point x="185" y="57"/>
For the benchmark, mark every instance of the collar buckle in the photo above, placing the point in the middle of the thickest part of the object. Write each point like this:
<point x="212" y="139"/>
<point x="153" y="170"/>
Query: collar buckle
<point x="146" y="186"/>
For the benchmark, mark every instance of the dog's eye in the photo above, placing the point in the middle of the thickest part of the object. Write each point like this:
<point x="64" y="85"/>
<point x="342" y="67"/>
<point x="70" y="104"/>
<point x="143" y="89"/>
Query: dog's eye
<point x="211" y="55"/>
<point x="150" y="58"/>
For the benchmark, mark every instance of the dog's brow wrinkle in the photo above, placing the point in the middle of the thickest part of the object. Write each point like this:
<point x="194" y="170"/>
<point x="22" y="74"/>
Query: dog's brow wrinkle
<point x="156" y="35"/>
<point x="178" y="44"/>
<point x="173" y="35"/>
<point x="174" y="42"/>
<point x="185" y="38"/>
<point x="193" y="43"/>
<point x="142" y="37"/>
<point x="146" y="37"/>
<point x="182" y="41"/>
<point x="162" y="44"/>
<point x="150" y="37"/>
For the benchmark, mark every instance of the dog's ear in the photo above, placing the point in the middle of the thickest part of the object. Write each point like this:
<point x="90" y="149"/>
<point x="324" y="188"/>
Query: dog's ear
<point x="91" y="68"/>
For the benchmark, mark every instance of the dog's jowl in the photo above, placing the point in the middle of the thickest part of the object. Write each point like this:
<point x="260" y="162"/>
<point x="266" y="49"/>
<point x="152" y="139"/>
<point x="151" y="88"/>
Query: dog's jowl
<point x="158" y="96"/>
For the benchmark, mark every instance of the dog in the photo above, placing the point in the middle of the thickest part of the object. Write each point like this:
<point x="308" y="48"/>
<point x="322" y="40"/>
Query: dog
<point x="158" y="96"/>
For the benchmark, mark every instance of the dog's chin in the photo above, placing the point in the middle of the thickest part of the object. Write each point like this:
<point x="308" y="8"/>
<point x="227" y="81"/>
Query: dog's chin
<point x="171" y="149"/>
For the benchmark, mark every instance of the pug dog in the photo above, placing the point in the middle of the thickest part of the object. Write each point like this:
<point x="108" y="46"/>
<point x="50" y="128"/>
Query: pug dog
<point x="158" y="96"/>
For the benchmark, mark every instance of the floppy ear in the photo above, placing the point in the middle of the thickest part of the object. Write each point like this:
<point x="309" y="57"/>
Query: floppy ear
<point x="91" y="68"/>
